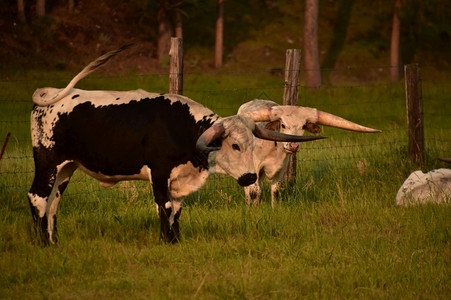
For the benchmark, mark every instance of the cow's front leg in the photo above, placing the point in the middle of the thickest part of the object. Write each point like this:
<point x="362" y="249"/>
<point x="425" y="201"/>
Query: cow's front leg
<point x="174" y="217"/>
<point x="253" y="193"/>
<point x="169" y="233"/>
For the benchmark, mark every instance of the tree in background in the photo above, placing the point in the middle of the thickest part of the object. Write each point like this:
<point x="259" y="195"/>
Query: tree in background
<point x="395" y="53"/>
<point x="340" y="29"/>
<point x="219" y="34"/>
<point x="165" y="29"/>
<point x="21" y="11"/>
<point x="71" y="5"/>
<point x="40" y="8"/>
<point x="311" y="57"/>
<point x="169" y="24"/>
<point x="178" y="22"/>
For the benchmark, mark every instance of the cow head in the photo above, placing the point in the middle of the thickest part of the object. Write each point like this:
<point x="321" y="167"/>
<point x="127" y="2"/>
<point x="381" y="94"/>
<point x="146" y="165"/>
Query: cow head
<point x="230" y="144"/>
<point x="295" y="119"/>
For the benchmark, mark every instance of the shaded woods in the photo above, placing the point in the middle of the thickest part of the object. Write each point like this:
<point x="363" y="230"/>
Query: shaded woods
<point x="331" y="34"/>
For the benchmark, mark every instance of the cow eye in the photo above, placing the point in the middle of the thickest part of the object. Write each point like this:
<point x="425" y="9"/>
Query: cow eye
<point x="283" y="125"/>
<point x="235" y="147"/>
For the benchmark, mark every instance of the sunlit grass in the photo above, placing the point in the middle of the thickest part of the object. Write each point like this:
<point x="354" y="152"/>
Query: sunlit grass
<point x="335" y="234"/>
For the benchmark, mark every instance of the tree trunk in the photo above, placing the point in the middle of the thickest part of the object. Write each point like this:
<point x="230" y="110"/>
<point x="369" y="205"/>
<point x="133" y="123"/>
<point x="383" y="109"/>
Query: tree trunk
<point x="21" y="11"/>
<point x="178" y="23"/>
<point x="71" y="6"/>
<point x="40" y="8"/>
<point x="395" y="62"/>
<point x="164" y="31"/>
<point x="219" y="34"/>
<point x="312" y="69"/>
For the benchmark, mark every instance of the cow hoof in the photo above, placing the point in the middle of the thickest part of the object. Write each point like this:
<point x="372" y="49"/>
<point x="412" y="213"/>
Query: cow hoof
<point x="170" y="238"/>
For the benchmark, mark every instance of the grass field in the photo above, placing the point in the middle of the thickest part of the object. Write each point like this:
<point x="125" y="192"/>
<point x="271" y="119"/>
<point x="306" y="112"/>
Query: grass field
<point x="337" y="233"/>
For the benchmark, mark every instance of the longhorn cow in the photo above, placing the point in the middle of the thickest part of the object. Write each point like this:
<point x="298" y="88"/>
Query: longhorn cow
<point x="271" y="158"/>
<point x="169" y="140"/>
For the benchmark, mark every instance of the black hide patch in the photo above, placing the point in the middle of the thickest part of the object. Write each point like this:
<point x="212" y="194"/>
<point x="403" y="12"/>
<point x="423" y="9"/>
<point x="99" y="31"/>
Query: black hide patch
<point x="120" y="139"/>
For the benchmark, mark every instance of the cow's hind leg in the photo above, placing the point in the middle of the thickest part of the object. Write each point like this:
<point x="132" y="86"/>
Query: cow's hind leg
<point x="275" y="186"/>
<point x="62" y="180"/>
<point x="44" y="195"/>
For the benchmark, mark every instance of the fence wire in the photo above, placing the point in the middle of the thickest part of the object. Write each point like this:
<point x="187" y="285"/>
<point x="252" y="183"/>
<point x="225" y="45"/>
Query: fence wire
<point x="378" y="105"/>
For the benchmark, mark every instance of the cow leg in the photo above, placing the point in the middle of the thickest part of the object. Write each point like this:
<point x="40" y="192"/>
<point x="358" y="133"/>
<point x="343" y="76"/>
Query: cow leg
<point x="61" y="182"/>
<point x="169" y="233"/>
<point x="275" y="186"/>
<point x="176" y="206"/>
<point x="44" y="195"/>
<point x="253" y="193"/>
<point x="37" y="197"/>
<point x="174" y="217"/>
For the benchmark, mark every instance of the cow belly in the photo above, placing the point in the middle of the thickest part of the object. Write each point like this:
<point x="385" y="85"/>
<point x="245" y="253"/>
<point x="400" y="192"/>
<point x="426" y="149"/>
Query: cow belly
<point x="184" y="179"/>
<point x="110" y="180"/>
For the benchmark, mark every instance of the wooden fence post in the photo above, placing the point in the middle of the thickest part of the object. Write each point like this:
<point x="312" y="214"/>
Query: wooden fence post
<point x="176" y="66"/>
<point x="290" y="97"/>
<point x="414" y="105"/>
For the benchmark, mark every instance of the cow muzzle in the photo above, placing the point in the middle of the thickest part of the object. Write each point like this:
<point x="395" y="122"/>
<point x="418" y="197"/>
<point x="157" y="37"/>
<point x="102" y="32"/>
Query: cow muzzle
<point x="247" y="179"/>
<point x="291" y="148"/>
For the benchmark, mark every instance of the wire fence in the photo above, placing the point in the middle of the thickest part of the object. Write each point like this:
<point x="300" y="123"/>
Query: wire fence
<point x="375" y="104"/>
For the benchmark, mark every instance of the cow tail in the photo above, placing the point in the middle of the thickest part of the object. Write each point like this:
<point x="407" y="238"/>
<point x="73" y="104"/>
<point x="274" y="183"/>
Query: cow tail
<point x="48" y="96"/>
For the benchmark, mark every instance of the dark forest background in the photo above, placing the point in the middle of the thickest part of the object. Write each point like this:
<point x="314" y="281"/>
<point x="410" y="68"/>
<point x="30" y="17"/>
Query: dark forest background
<point x="256" y="33"/>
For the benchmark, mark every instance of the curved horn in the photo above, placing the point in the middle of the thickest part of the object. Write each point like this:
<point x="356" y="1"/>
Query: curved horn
<point x="331" y="120"/>
<point x="40" y="96"/>
<point x="266" y="134"/>
<point x="209" y="135"/>
<point x="259" y="115"/>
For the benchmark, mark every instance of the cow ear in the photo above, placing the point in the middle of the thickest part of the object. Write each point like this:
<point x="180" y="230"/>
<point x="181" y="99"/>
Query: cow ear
<point x="312" y="127"/>
<point x="274" y="125"/>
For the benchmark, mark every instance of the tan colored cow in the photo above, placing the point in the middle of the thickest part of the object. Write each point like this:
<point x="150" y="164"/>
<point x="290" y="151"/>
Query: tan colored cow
<point x="271" y="158"/>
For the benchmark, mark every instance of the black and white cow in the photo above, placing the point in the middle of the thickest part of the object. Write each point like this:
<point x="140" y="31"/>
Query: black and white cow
<point x="169" y="140"/>
<point x="271" y="158"/>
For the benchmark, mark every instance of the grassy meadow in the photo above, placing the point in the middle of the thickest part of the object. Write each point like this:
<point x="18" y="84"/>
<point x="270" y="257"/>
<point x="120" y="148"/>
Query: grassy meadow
<point x="336" y="233"/>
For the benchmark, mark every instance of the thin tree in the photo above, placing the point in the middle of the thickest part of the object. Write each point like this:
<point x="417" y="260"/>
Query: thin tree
<point x="165" y="29"/>
<point x="71" y="6"/>
<point x="177" y="12"/>
<point x="219" y="34"/>
<point x="21" y="11"/>
<point x="312" y="69"/>
<point x="395" y="59"/>
<point x="178" y="23"/>
<point x="169" y="17"/>
<point x="40" y="8"/>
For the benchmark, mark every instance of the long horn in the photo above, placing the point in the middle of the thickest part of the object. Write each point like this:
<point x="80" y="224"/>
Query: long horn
<point x="260" y="115"/>
<point x="40" y="96"/>
<point x="266" y="134"/>
<point x="328" y="119"/>
<point x="209" y="135"/>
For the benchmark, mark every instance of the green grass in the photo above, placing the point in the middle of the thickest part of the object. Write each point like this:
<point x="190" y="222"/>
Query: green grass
<point x="337" y="233"/>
